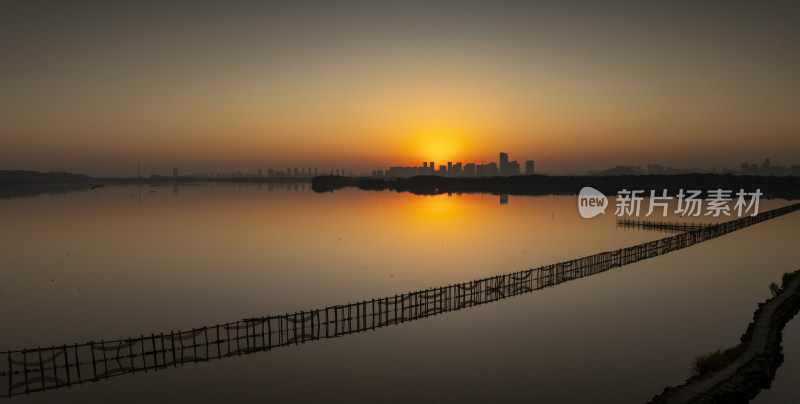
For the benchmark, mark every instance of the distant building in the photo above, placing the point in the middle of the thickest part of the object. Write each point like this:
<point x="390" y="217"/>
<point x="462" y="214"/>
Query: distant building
<point x="455" y="171"/>
<point x="458" y="169"/>
<point x="655" y="169"/>
<point x="766" y="168"/>
<point x="622" y="170"/>
<point x="750" y="169"/>
<point x="425" y="169"/>
<point x="174" y="171"/>
<point x="486" y="170"/>
<point x="469" y="170"/>
<point x="402" y="172"/>
<point x="503" y="163"/>
<point x="508" y="168"/>
<point x="529" y="167"/>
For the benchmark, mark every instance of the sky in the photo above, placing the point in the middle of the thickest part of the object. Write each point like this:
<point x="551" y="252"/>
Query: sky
<point x="93" y="87"/>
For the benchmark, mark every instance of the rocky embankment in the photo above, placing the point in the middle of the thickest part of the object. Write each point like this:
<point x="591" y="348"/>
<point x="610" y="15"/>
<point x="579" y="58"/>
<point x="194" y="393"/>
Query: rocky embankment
<point x="742" y="379"/>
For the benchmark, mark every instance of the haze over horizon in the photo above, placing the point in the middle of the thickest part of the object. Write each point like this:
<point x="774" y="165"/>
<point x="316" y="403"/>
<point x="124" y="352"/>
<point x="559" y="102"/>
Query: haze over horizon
<point x="92" y="87"/>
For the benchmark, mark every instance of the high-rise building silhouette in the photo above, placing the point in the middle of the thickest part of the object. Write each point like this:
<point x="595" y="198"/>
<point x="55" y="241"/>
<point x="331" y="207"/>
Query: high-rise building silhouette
<point x="513" y="168"/>
<point x="174" y="171"/>
<point x="469" y="170"/>
<point x="503" y="163"/>
<point x="529" y="167"/>
<point x="486" y="170"/>
<point x="402" y="172"/>
<point x="456" y="170"/>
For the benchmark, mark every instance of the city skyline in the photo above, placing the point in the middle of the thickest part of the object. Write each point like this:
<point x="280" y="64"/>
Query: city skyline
<point x="484" y="168"/>
<point x="579" y="86"/>
<point x="188" y="186"/>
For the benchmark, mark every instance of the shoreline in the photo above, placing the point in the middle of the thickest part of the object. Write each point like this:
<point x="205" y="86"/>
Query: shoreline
<point x="753" y="370"/>
<point x="771" y="187"/>
<point x="25" y="188"/>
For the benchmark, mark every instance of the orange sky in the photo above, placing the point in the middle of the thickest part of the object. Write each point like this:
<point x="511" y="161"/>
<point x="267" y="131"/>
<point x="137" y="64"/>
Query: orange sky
<point x="92" y="87"/>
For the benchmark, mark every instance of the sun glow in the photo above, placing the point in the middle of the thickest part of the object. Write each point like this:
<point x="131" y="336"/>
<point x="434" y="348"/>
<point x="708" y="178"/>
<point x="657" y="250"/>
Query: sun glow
<point x="439" y="146"/>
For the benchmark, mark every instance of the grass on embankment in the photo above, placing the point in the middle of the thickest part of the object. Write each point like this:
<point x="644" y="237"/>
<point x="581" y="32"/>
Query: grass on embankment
<point x="716" y="360"/>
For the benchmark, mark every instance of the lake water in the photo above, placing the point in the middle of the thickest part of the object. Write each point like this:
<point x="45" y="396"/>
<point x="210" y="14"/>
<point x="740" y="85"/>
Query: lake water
<point x="784" y="388"/>
<point x="122" y="261"/>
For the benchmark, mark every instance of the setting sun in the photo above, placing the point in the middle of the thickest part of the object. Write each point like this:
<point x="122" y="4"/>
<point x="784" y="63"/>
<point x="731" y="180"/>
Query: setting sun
<point x="439" y="146"/>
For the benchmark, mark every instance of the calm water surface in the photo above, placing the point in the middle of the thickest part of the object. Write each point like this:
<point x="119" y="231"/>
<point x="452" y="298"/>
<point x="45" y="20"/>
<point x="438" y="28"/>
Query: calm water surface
<point x="784" y="388"/>
<point x="123" y="261"/>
